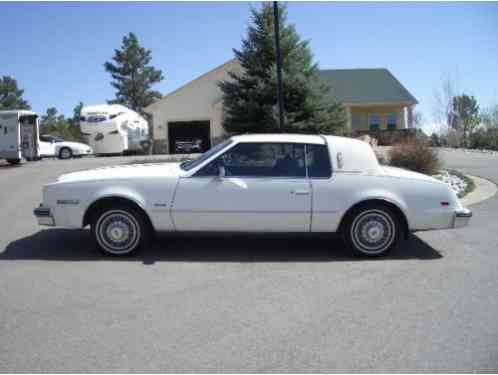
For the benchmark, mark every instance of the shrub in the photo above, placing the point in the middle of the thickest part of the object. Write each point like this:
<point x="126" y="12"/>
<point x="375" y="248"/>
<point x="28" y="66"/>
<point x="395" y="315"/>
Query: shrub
<point x="435" y="141"/>
<point x="483" y="139"/>
<point x="414" y="156"/>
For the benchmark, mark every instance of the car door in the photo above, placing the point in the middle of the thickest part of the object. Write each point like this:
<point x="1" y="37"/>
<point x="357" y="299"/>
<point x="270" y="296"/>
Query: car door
<point x="265" y="189"/>
<point x="47" y="146"/>
<point x="9" y="135"/>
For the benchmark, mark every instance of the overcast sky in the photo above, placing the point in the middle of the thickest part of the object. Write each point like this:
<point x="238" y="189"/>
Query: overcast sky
<point x="57" y="51"/>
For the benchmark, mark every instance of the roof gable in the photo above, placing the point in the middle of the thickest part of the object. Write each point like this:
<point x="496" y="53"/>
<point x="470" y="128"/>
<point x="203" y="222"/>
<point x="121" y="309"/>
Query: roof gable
<point x="350" y="86"/>
<point x="366" y="86"/>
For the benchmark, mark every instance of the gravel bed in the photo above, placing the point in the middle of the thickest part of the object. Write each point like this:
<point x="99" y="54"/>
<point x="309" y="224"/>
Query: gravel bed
<point x="456" y="181"/>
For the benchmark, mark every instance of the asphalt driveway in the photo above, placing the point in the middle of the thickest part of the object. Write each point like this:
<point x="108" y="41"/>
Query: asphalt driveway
<point x="243" y="304"/>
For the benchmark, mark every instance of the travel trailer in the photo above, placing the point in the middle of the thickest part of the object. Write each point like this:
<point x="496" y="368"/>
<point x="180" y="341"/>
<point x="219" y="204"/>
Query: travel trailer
<point x="114" y="129"/>
<point x="19" y="136"/>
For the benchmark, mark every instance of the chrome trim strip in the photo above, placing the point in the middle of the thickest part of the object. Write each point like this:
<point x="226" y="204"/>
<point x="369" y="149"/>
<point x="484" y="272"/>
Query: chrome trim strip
<point x="305" y="212"/>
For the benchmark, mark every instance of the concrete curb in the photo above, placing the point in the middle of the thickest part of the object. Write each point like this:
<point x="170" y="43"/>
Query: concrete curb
<point x="484" y="189"/>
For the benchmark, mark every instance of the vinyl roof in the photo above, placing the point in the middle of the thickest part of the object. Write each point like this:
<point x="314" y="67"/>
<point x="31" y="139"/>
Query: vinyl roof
<point x="366" y="86"/>
<point x="283" y="137"/>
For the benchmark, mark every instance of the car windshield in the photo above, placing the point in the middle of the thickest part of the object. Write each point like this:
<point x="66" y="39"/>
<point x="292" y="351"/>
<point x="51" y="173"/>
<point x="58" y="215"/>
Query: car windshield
<point x="189" y="164"/>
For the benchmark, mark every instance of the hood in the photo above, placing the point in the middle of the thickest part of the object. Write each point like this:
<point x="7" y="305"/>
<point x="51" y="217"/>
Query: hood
<point x="136" y="171"/>
<point x="404" y="173"/>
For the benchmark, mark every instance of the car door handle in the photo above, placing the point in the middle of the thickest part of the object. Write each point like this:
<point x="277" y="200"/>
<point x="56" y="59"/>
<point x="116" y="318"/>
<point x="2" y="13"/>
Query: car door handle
<point x="300" y="192"/>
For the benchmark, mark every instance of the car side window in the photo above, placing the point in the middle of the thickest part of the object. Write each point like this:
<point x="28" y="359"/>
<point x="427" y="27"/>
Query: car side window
<point x="260" y="160"/>
<point x="318" y="161"/>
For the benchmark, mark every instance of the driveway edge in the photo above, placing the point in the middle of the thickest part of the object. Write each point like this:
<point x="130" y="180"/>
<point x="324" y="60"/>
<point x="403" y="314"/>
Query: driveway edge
<point x="484" y="189"/>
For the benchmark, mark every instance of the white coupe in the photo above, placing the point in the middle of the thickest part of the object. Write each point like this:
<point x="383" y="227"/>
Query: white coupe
<point x="55" y="146"/>
<point x="256" y="183"/>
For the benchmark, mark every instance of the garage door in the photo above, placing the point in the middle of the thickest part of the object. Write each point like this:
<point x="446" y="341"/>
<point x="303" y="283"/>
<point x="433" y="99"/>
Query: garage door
<point x="188" y="137"/>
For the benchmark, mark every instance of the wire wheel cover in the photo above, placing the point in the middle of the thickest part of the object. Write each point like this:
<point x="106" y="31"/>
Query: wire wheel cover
<point x="117" y="231"/>
<point x="373" y="231"/>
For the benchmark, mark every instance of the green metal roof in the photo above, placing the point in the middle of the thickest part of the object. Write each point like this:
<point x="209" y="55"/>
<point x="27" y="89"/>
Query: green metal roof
<point x="362" y="86"/>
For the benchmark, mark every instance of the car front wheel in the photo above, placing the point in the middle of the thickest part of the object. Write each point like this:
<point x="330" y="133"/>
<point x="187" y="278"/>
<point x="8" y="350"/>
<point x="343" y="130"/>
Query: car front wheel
<point x="13" y="161"/>
<point x="120" y="230"/>
<point x="65" y="153"/>
<point x="372" y="230"/>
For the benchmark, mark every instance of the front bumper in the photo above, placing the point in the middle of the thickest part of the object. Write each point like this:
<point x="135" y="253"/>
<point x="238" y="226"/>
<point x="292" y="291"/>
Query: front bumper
<point x="44" y="216"/>
<point x="462" y="217"/>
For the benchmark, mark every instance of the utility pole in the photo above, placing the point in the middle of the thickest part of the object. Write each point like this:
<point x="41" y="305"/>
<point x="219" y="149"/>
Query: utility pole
<point x="278" y="55"/>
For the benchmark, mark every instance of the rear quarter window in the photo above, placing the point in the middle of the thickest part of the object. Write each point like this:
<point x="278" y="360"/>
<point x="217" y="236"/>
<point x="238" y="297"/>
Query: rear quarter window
<point x="318" y="161"/>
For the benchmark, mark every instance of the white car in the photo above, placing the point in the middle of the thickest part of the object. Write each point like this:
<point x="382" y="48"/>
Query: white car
<point x="55" y="146"/>
<point x="256" y="183"/>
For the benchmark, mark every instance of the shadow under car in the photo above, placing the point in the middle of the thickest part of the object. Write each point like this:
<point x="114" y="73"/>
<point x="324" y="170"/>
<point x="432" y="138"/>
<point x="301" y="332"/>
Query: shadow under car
<point x="77" y="245"/>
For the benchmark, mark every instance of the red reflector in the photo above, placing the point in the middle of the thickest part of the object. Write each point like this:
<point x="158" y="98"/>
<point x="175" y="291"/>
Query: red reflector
<point x="445" y="204"/>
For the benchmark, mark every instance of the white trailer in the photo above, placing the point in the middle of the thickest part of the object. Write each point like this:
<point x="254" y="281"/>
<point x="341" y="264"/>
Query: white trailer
<point x="114" y="129"/>
<point x="19" y="136"/>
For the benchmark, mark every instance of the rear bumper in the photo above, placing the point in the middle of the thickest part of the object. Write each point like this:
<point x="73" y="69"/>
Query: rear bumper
<point x="44" y="216"/>
<point x="462" y="217"/>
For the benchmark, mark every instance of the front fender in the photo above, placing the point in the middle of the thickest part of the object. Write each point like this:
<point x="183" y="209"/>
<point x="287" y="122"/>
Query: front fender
<point x="122" y="192"/>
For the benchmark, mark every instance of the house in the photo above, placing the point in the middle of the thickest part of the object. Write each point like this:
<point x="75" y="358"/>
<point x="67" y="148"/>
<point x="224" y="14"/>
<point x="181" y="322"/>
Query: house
<point x="374" y="100"/>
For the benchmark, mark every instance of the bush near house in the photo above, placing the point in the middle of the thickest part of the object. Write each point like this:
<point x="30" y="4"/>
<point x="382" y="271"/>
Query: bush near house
<point x="415" y="156"/>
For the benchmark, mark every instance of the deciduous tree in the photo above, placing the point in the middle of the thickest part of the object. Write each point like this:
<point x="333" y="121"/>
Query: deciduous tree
<point x="465" y="114"/>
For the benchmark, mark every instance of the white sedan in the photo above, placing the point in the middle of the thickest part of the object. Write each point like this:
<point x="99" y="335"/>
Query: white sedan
<point x="55" y="146"/>
<point x="256" y="183"/>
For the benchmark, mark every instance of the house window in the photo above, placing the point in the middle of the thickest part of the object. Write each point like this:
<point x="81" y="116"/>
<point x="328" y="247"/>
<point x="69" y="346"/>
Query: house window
<point x="373" y="121"/>
<point x="391" y="121"/>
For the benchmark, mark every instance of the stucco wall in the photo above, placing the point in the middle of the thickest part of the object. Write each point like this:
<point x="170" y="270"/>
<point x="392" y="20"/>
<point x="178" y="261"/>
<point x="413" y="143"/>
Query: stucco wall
<point x="200" y="99"/>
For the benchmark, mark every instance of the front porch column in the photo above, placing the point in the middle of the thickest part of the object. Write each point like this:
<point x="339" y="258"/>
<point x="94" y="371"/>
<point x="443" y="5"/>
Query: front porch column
<point x="410" y="116"/>
<point x="402" y="116"/>
<point x="348" y="119"/>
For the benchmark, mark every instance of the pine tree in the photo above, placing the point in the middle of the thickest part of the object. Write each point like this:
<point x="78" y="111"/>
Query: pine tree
<point x="250" y="98"/>
<point x="11" y="95"/>
<point x="132" y="75"/>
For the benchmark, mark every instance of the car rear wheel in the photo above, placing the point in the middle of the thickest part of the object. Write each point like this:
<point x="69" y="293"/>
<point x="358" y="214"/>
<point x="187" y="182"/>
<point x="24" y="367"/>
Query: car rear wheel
<point x="372" y="230"/>
<point x="120" y="230"/>
<point x="65" y="153"/>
